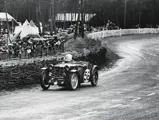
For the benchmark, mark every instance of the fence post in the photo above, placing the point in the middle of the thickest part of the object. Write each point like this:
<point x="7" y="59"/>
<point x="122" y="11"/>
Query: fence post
<point x="139" y="30"/>
<point x="103" y="34"/>
<point x="120" y="31"/>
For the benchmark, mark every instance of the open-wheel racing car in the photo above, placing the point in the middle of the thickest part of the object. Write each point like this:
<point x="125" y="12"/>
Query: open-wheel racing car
<point x="69" y="74"/>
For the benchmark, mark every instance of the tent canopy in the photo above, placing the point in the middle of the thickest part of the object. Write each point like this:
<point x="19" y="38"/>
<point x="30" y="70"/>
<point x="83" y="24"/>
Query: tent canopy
<point x="32" y="23"/>
<point x="3" y="17"/>
<point x="26" y="29"/>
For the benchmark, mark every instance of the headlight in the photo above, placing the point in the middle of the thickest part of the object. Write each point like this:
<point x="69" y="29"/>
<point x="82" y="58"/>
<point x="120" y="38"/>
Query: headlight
<point x="51" y="67"/>
<point x="44" y="68"/>
<point x="50" y="74"/>
<point x="67" y="68"/>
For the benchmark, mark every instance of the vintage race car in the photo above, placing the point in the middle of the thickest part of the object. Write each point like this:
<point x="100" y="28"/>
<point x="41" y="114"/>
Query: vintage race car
<point x="69" y="74"/>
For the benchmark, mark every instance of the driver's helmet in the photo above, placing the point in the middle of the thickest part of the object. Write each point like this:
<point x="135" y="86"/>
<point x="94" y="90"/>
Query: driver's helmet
<point x="68" y="58"/>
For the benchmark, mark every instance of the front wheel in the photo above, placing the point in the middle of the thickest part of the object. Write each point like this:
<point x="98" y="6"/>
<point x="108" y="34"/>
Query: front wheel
<point x="94" y="78"/>
<point x="73" y="81"/>
<point x="44" y="81"/>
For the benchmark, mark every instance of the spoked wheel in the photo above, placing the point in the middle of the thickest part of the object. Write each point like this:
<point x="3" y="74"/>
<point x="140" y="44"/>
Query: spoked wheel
<point x="73" y="81"/>
<point x="94" y="78"/>
<point x="44" y="81"/>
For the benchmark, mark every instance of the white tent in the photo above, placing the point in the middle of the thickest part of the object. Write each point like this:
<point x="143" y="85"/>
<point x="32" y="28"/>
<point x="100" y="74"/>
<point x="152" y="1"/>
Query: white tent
<point x="32" y="24"/>
<point x="26" y="29"/>
<point x="3" y="17"/>
<point x="35" y="29"/>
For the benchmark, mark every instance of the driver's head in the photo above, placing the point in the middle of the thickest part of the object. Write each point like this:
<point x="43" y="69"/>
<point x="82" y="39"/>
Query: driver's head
<point x="68" y="58"/>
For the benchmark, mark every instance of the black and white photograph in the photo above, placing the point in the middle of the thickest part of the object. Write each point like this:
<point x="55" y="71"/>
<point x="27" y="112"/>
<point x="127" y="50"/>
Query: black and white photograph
<point x="79" y="59"/>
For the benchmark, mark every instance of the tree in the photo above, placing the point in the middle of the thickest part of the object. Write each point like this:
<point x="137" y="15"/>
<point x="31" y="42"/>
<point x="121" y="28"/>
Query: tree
<point x="138" y="11"/>
<point x="38" y="15"/>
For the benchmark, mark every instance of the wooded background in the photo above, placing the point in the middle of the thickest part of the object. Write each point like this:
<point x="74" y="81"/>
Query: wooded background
<point x="124" y="13"/>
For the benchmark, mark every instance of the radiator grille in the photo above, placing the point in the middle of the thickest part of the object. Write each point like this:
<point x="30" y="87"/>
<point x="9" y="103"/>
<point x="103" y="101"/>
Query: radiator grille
<point x="58" y="72"/>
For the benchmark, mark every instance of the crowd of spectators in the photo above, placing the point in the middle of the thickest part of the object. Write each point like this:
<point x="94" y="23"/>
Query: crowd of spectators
<point x="31" y="46"/>
<point x="35" y="46"/>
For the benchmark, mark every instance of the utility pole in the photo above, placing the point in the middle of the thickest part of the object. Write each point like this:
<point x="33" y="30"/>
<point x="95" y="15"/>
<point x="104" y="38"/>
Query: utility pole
<point x="42" y="27"/>
<point x="82" y="19"/>
<point x="140" y="13"/>
<point x="64" y="24"/>
<point x="78" y="19"/>
<point x="53" y="21"/>
<point x="125" y="12"/>
<point x="8" y="37"/>
<point x="38" y="15"/>
<point x="50" y="18"/>
<point x="80" y="15"/>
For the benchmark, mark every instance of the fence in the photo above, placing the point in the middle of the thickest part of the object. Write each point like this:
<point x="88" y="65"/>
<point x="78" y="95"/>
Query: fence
<point x="120" y="32"/>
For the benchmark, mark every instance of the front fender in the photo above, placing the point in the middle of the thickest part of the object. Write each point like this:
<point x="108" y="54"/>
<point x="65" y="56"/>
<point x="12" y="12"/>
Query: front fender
<point x="44" y="68"/>
<point x="94" y="67"/>
<point x="74" y="71"/>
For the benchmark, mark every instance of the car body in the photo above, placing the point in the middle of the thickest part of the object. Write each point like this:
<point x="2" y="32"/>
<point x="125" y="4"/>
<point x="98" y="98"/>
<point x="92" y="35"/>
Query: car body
<point x="70" y="74"/>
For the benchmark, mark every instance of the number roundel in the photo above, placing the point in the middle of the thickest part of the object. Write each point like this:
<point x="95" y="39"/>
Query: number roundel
<point x="87" y="74"/>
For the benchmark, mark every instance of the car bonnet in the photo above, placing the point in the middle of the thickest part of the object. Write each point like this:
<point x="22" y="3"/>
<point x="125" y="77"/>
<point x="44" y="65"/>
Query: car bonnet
<point x="71" y="64"/>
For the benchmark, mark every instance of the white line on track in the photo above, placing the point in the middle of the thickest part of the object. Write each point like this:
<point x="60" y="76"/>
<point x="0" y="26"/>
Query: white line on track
<point x="136" y="99"/>
<point x="89" y="113"/>
<point x="155" y="78"/>
<point x="118" y="105"/>
<point x="151" y="94"/>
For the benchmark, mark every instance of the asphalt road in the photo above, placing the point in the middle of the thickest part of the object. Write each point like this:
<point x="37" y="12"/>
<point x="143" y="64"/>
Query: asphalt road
<point x="128" y="91"/>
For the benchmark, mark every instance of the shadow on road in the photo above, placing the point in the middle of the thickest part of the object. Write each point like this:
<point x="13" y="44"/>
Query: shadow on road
<point x="65" y="89"/>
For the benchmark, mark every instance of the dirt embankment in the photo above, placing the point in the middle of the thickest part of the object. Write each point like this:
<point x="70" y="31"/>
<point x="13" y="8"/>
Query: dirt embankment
<point x="94" y="51"/>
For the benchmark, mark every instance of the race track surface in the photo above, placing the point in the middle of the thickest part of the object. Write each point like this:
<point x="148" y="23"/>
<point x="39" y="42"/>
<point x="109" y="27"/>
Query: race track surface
<point x="128" y="91"/>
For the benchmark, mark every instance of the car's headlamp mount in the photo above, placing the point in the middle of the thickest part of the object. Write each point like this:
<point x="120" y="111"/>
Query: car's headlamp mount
<point x="50" y="66"/>
<point x="67" y="68"/>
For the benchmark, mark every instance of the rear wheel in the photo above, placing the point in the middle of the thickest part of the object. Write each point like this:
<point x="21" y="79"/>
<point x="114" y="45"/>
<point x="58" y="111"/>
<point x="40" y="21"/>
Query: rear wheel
<point x="73" y="81"/>
<point x="94" y="78"/>
<point x="44" y="81"/>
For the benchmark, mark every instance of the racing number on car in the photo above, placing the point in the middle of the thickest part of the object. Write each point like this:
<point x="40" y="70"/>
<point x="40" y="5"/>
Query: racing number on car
<point x="87" y="74"/>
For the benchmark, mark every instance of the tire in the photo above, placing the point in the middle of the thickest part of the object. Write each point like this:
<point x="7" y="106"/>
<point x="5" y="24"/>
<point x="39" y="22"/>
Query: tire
<point x="44" y="81"/>
<point x="94" y="78"/>
<point x="73" y="81"/>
